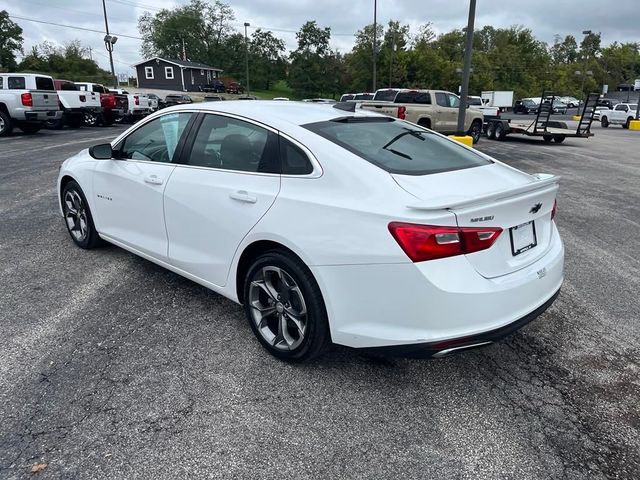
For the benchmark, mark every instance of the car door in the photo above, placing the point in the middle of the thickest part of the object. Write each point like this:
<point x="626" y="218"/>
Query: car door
<point x="228" y="179"/>
<point x="619" y="114"/>
<point x="447" y="116"/>
<point x="129" y="188"/>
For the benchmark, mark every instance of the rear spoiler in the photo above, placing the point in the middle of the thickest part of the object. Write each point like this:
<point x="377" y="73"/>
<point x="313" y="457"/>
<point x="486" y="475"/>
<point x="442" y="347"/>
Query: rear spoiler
<point x="541" y="180"/>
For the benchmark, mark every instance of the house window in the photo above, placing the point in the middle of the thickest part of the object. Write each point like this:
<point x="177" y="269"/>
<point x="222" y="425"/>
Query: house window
<point x="168" y="73"/>
<point x="201" y="72"/>
<point x="148" y="73"/>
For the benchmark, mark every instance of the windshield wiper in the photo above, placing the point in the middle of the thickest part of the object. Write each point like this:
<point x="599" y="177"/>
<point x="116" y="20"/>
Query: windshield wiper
<point x="413" y="133"/>
<point x="404" y="155"/>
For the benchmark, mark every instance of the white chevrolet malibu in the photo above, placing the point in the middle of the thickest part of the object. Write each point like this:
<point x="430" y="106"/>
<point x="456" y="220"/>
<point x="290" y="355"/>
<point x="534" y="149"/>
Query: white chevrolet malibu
<point x="329" y="225"/>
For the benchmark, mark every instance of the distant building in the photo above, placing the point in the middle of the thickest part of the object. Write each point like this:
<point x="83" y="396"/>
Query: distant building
<point x="170" y="74"/>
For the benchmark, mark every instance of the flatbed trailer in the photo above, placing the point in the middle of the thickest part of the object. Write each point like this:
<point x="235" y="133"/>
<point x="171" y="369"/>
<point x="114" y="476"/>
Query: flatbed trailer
<point x="542" y="126"/>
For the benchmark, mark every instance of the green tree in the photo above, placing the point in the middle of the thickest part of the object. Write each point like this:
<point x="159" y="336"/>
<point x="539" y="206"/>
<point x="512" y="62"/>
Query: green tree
<point x="10" y="42"/>
<point x="308" y="74"/>
<point x="267" y="61"/>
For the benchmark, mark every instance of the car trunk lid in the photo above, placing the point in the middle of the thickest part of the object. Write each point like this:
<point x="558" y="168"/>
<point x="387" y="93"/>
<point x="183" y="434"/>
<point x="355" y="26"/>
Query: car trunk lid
<point x="493" y="196"/>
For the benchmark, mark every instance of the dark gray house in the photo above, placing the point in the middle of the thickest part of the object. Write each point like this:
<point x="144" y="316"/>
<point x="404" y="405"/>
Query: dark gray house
<point x="170" y="74"/>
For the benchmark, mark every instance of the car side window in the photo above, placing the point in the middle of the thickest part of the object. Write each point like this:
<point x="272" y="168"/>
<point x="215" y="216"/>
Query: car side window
<point x="294" y="161"/>
<point x="453" y="100"/>
<point x="156" y="141"/>
<point x="17" y="83"/>
<point x="232" y="144"/>
<point x="1" y="82"/>
<point x="441" y="99"/>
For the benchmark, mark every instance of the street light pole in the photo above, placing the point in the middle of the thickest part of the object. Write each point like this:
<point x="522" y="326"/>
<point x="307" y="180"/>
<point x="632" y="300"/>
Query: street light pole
<point x="466" y="73"/>
<point x="375" y="41"/>
<point x="584" y="70"/>
<point x="246" y="54"/>
<point x="109" y="44"/>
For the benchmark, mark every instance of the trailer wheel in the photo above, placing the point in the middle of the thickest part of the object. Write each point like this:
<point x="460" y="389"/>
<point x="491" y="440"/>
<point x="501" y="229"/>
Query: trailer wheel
<point x="547" y="138"/>
<point x="559" y="138"/>
<point x="491" y="130"/>
<point x="500" y="132"/>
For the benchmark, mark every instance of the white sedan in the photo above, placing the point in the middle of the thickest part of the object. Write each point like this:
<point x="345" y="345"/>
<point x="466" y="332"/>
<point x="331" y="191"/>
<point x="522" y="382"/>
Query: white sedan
<point x="329" y="225"/>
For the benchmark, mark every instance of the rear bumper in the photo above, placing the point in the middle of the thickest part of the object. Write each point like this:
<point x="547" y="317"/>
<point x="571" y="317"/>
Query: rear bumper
<point x="139" y="112"/>
<point x="417" y="305"/>
<point x="447" y="347"/>
<point x="42" y="115"/>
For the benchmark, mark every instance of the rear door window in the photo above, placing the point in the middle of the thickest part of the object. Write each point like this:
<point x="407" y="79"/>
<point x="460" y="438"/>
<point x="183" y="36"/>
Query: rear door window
<point x="441" y="99"/>
<point x="17" y="83"/>
<point x="44" y="83"/>
<point x="397" y="146"/>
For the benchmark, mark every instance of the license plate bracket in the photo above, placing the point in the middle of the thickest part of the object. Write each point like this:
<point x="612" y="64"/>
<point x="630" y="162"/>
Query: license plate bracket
<point x="523" y="237"/>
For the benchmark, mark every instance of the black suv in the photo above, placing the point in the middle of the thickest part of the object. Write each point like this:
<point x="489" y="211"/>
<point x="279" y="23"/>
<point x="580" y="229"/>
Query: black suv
<point x="607" y="102"/>
<point x="525" y="106"/>
<point x="215" y="86"/>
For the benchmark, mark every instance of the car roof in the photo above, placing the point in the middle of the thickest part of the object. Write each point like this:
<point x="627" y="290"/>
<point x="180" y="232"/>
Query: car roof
<point x="276" y="113"/>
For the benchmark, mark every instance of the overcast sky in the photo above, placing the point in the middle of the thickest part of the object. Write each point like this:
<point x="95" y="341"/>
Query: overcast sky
<point x="617" y="21"/>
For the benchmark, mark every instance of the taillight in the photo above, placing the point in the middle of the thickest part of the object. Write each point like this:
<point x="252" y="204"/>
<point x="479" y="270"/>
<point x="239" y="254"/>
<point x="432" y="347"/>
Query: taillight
<point x="136" y="98"/>
<point x="402" y="111"/>
<point x="429" y="242"/>
<point x="554" y="210"/>
<point x="83" y="98"/>
<point x="27" y="99"/>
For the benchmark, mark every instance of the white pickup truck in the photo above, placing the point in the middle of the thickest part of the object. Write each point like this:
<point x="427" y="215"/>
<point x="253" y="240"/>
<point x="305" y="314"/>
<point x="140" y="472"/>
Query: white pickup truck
<point x="138" y="104"/>
<point x="621" y="114"/>
<point x="27" y="100"/>
<point x="76" y="106"/>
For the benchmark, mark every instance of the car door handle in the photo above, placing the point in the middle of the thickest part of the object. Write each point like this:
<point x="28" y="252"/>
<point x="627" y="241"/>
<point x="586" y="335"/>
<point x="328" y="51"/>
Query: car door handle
<point x="243" y="196"/>
<point x="153" y="180"/>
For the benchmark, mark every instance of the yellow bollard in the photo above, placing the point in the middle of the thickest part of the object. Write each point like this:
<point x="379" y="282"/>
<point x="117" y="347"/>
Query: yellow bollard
<point x="464" y="139"/>
<point x="576" y="118"/>
<point x="634" y="125"/>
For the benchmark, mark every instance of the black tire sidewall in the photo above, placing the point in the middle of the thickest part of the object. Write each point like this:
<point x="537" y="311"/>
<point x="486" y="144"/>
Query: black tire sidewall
<point x="604" y="122"/>
<point x="8" y="125"/>
<point x="92" y="239"/>
<point x="317" y="337"/>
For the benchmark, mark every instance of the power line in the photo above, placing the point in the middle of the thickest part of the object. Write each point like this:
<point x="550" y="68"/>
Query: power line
<point x="71" y="26"/>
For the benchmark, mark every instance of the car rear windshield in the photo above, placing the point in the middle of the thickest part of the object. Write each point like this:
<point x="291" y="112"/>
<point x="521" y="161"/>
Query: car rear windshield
<point x="397" y="146"/>
<point x="44" y="83"/>
<point x="385" y="95"/>
<point x="363" y="96"/>
<point x="345" y="97"/>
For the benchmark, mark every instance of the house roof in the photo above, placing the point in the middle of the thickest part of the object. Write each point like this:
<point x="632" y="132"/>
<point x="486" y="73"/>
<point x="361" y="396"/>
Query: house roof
<point x="180" y="63"/>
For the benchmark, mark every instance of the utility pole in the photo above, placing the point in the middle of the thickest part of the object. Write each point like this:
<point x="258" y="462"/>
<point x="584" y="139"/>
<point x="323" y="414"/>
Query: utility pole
<point x="375" y="41"/>
<point x="584" y="70"/>
<point x="393" y="48"/>
<point x="466" y="72"/>
<point x="184" y="52"/>
<point x="109" y="42"/>
<point x="246" y="53"/>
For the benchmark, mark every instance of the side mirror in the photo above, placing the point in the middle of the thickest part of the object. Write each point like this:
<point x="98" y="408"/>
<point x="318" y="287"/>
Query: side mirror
<point x="101" y="152"/>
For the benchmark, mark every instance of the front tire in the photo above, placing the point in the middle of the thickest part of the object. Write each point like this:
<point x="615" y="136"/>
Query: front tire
<point x="78" y="219"/>
<point x="285" y="308"/>
<point x="604" y="121"/>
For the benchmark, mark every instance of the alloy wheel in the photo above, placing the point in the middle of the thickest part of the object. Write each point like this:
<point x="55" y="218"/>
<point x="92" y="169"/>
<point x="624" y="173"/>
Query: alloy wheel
<point x="75" y="215"/>
<point x="2" y="124"/>
<point x="278" y="308"/>
<point x="90" y="119"/>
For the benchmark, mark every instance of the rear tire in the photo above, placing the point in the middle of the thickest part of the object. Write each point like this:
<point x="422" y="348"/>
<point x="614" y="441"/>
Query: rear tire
<point x="6" y="125"/>
<point x="559" y="138"/>
<point x="604" y="122"/>
<point x="78" y="217"/>
<point x="500" y="132"/>
<point x="30" y="128"/>
<point x="547" y="138"/>
<point x="285" y="308"/>
<point x="475" y="131"/>
<point x="56" y="124"/>
<point x="491" y="131"/>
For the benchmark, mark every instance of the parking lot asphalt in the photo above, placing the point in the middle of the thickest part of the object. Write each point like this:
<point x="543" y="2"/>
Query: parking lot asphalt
<point x="111" y="367"/>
